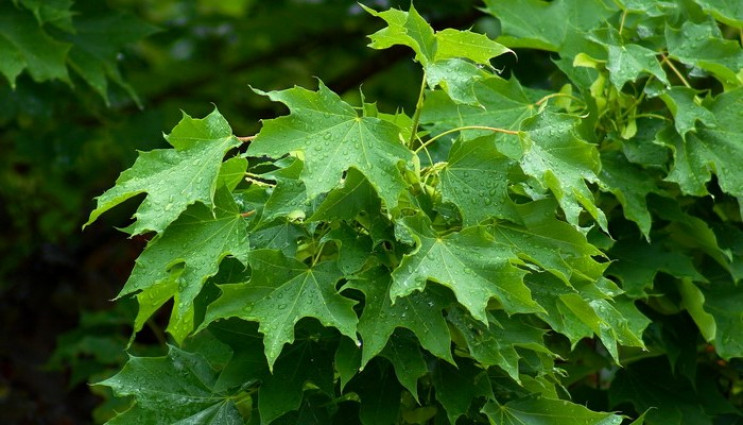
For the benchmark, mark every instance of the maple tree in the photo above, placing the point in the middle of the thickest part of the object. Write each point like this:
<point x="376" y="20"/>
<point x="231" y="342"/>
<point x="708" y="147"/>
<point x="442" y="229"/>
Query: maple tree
<point x="471" y="261"/>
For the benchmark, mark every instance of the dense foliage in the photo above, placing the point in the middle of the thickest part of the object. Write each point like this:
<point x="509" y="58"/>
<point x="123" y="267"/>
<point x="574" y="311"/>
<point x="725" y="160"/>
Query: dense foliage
<point x="502" y="253"/>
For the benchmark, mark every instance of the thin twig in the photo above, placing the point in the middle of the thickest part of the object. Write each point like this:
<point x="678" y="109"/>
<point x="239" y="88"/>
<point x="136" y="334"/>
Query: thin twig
<point x="417" y="114"/>
<point x="675" y="70"/>
<point x="467" y="127"/>
<point x="246" y="138"/>
<point x="247" y="213"/>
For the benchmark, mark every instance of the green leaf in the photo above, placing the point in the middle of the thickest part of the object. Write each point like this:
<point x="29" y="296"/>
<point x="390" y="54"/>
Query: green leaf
<point x="52" y="12"/>
<point x="562" y="163"/>
<point x="720" y="301"/>
<point x="496" y="344"/>
<point x="636" y="263"/>
<point x="551" y="244"/>
<point x="672" y="399"/>
<point x="631" y="185"/>
<point x="176" y="388"/>
<point x="419" y="312"/>
<point x="475" y="179"/>
<point x="379" y="392"/>
<point x="543" y="411"/>
<point x="289" y="198"/>
<point x="589" y="309"/>
<point x="552" y="26"/>
<point x="302" y="364"/>
<point x="282" y="291"/>
<point x="96" y="41"/>
<point x="407" y="360"/>
<point x="198" y="241"/>
<point x="173" y="179"/>
<point x="627" y="62"/>
<point x="728" y="11"/>
<point x="471" y="263"/>
<point x="24" y="45"/>
<point x="356" y="195"/>
<point x="457" y="387"/>
<point x="687" y="110"/>
<point x="332" y="138"/>
<point x="504" y="105"/>
<point x="702" y="45"/>
<point x="710" y="150"/>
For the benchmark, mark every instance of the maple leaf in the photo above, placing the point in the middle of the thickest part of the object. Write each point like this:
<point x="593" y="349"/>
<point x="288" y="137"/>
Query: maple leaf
<point x="180" y="388"/>
<point x="419" y="312"/>
<point x="280" y="292"/>
<point x="563" y="163"/>
<point x="332" y="139"/>
<point x="538" y="411"/>
<point x="475" y="179"/>
<point x="25" y="46"/>
<point x="178" y="262"/>
<point x="173" y="179"/>
<point x="470" y="262"/>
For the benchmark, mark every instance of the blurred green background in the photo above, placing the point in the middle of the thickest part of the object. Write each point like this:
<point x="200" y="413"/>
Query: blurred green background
<point x="131" y="68"/>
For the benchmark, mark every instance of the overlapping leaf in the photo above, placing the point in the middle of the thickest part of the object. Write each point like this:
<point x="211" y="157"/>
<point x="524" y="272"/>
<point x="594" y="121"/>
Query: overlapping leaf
<point x="469" y="262"/>
<point x="419" y="312"/>
<point x="542" y="411"/>
<point x="173" y="179"/>
<point x="447" y="56"/>
<point x="475" y="179"/>
<point x="177" y="263"/>
<point x="282" y="291"/>
<point x="563" y="163"/>
<point x="179" y="388"/>
<point x="333" y="138"/>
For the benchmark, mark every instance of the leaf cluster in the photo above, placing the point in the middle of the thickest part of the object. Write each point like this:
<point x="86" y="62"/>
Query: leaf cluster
<point x="470" y="262"/>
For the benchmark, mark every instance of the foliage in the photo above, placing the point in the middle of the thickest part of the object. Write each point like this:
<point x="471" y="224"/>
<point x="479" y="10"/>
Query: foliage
<point x="482" y="260"/>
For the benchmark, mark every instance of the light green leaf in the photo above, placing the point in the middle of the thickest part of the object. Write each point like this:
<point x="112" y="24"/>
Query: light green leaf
<point x="232" y="172"/>
<point x="198" y="240"/>
<point x="475" y="179"/>
<point x="406" y="29"/>
<point x="419" y="312"/>
<point x="177" y="388"/>
<point x="544" y="411"/>
<point x="478" y="48"/>
<point x="562" y="163"/>
<point x="173" y="179"/>
<point x="470" y="262"/>
<point x="333" y="138"/>
<point x="282" y="291"/>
